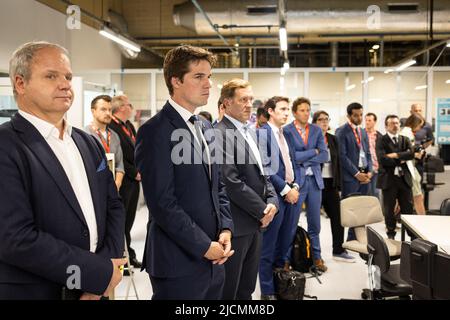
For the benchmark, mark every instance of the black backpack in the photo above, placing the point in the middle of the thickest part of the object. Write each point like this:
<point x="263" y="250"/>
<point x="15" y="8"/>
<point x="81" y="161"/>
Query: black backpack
<point x="301" y="259"/>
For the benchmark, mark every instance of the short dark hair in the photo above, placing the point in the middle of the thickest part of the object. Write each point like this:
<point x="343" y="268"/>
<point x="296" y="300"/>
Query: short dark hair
<point x="317" y="114"/>
<point x="373" y="115"/>
<point x="104" y="97"/>
<point x="298" y="102"/>
<point x="353" y="106"/>
<point x="177" y="62"/>
<point x="390" y="116"/>
<point x="272" y="103"/>
<point x="206" y="115"/>
<point x="261" y="111"/>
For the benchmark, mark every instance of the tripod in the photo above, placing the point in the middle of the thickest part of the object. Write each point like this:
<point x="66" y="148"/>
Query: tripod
<point x="130" y="269"/>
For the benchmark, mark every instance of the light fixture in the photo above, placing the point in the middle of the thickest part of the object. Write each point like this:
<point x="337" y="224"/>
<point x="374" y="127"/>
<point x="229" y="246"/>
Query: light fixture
<point x="389" y="70"/>
<point x="448" y="81"/>
<point x="283" y="38"/>
<point x="406" y="65"/>
<point x="421" y="87"/>
<point x="236" y="45"/>
<point x="376" y="47"/>
<point x="350" y="87"/>
<point x="371" y="50"/>
<point x="108" y="33"/>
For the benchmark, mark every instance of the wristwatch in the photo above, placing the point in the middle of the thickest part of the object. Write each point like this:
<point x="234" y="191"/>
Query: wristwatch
<point x="295" y="186"/>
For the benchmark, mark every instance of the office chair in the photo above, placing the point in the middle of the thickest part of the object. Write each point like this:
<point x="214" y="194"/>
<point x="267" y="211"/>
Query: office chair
<point x="421" y="257"/>
<point x="390" y="283"/>
<point x="357" y="212"/>
<point x="445" y="207"/>
<point x="440" y="278"/>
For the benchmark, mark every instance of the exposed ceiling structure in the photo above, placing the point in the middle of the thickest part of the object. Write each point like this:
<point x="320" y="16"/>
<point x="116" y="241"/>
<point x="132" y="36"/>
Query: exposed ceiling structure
<point x="246" y="33"/>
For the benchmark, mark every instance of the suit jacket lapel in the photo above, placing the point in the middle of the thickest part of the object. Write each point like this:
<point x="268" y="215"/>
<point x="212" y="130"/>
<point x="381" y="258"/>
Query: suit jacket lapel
<point x="178" y="123"/>
<point x="37" y="144"/>
<point x="91" y="171"/>
<point x="242" y="141"/>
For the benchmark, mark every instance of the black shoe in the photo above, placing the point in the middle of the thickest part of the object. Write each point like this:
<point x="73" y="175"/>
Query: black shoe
<point x="135" y="263"/>
<point x="268" y="297"/>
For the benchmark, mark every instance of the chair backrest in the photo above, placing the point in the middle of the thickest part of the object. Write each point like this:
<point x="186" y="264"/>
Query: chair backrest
<point x="405" y="262"/>
<point x="445" y="207"/>
<point x="378" y="248"/>
<point x="440" y="276"/>
<point x="360" y="211"/>
<point x="421" y="256"/>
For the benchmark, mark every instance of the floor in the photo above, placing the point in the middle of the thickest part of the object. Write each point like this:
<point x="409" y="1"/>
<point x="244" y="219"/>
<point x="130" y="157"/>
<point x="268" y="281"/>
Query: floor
<point x="341" y="281"/>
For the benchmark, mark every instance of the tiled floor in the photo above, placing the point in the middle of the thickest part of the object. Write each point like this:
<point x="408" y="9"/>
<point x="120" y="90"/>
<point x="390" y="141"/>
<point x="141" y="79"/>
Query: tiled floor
<point x="341" y="281"/>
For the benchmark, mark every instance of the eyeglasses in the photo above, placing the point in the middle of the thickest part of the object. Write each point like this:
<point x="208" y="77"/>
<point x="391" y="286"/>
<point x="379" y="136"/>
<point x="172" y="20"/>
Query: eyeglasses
<point x="323" y="119"/>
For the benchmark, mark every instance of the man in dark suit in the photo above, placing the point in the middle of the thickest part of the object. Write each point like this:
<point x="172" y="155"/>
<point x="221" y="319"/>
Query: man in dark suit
<point x="355" y="158"/>
<point x="61" y="230"/>
<point x="394" y="177"/>
<point x="189" y="237"/>
<point x="309" y="150"/>
<point x="278" y="160"/>
<point x="129" y="190"/>
<point x="354" y="151"/>
<point x="252" y="197"/>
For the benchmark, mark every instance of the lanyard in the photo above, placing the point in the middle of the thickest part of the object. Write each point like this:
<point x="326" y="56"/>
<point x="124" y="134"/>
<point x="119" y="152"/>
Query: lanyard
<point x="357" y="136"/>
<point x="127" y="131"/>
<point x="300" y="132"/>
<point x="106" y="142"/>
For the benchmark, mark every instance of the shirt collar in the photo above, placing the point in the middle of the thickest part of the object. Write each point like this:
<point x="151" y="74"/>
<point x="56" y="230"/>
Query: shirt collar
<point x="184" y="113"/>
<point x="352" y="125"/>
<point x="274" y="128"/>
<point x="46" y="129"/>
<point x="392" y="136"/>
<point x="239" y="125"/>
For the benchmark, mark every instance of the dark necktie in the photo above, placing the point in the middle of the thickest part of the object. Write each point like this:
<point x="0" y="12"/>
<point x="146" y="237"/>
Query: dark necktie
<point x="395" y="141"/>
<point x="198" y="128"/>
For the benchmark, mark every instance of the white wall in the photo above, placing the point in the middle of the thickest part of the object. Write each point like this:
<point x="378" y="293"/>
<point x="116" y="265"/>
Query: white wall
<point x="27" y="20"/>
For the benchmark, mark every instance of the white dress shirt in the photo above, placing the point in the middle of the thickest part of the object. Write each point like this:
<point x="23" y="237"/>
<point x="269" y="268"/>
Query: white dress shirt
<point x="70" y="159"/>
<point x="252" y="143"/>
<point x="276" y="131"/>
<point x="392" y="136"/>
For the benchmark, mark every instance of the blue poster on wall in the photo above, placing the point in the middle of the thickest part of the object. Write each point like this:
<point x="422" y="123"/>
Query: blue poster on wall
<point x="443" y="121"/>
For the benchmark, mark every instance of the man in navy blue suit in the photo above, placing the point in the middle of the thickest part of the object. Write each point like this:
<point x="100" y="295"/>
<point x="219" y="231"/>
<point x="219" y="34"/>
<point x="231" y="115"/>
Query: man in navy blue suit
<point x="354" y="154"/>
<point x="189" y="237"/>
<point x="278" y="160"/>
<point x="354" y="151"/>
<point x="310" y="152"/>
<point x="62" y="223"/>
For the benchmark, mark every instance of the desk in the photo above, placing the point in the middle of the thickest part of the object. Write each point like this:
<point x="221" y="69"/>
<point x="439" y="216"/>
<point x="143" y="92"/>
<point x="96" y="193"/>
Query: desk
<point x="435" y="229"/>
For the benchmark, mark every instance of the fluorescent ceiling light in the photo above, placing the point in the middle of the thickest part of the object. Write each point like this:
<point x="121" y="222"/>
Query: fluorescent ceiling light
<point x="371" y="50"/>
<point x="388" y="71"/>
<point x="376" y="47"/>
<point x="350" y="87"/>
<point x="283" y="39"/>
<point x="421" y="87"/>
<point x="448" y="81"/>
<point x="406" y="65"/>
<point x="108" y="33"/>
